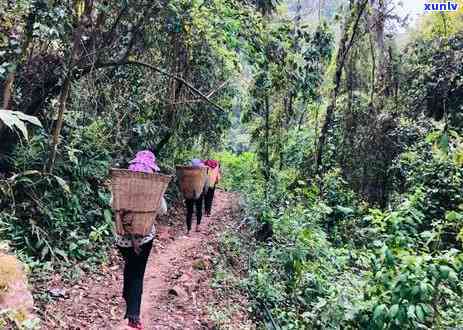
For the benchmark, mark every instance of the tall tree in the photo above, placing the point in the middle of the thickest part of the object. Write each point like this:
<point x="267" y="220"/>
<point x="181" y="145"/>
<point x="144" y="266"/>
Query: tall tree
<point x="346" y="42"/>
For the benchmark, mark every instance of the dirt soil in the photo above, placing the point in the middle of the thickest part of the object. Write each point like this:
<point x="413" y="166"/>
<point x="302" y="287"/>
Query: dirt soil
<point x="177" y="287"/>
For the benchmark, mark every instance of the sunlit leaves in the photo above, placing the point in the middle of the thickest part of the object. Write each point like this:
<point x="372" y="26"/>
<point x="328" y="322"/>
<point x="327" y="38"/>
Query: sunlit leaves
<point x="442" y="24"/>
<point x="447" y="145"/>
<point x="79" y="7"/>
<point x="17" y="119"/>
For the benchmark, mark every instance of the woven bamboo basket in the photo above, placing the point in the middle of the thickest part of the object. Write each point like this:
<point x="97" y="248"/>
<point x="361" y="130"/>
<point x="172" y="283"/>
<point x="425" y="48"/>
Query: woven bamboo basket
<point x="192" y="180"/>
<point x="136" y="200"/>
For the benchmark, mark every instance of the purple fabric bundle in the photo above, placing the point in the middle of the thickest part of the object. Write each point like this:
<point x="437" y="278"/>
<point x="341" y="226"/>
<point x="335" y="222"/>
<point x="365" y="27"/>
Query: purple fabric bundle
<point x="144" y="161"/>
<point x="197" y="162"/>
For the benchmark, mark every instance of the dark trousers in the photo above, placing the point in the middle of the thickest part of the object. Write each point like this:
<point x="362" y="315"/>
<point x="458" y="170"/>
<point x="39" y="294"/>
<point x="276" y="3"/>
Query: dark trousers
<point x="208" y="200"/>
<point x="190" y="205"/>
<point x="134" y="271"/>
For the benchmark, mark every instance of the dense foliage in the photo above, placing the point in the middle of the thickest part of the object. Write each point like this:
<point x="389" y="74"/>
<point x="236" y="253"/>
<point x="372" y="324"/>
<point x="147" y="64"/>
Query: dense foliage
<point x="375" y="241"/>
<point x="346" y="145"/>
<point x="137" y="77"/>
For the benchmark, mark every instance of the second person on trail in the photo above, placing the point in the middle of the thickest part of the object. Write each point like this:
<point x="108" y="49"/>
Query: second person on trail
<point x="192" y="204"/>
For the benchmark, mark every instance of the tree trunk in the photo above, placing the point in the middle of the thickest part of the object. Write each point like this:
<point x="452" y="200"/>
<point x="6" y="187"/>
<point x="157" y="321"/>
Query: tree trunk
<point x="267" y="137"/>
<point x="377" y="22"/>
<point x="77" y="34"/>
<point x="59" y="123"/>
<point x="8" y="90"/>
<point x="345" y="45"/>
<point x="373" y="68"/>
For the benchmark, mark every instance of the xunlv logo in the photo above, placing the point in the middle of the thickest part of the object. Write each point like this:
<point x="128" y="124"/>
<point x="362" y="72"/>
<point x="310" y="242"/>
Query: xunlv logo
<point x="449" y="6"/>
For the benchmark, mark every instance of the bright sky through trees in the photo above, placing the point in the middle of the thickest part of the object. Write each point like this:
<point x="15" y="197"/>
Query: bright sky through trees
<point x="410" y="7"/>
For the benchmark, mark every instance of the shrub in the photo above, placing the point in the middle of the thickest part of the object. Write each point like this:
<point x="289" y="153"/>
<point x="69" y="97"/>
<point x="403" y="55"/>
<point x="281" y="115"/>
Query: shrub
<point x="65" y="215"/>
<point x="405" y="290"/>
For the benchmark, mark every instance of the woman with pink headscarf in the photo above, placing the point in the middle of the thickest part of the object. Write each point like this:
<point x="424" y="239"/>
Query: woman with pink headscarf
<point x="136" y="250"/>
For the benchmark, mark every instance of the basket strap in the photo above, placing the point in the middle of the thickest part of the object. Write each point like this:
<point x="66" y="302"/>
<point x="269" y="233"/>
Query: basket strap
<point x="126" y="224"/>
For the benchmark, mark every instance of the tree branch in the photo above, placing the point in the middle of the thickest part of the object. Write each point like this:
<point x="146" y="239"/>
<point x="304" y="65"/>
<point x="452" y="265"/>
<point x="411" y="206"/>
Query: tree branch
<point x="170" y="75"/>
<point x="217" y="89"/>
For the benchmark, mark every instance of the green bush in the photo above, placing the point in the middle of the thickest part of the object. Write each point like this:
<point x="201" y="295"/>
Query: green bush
<point x="65" y="215"/>
<point x="333" y="262"/>
<point x="438" y="180"/>
<point x="406" y="290"/>
<point x="239" y="172"/>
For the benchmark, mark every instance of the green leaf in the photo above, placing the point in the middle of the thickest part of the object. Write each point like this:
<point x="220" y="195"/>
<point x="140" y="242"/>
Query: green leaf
<point x="453" y="278"/>
<point x="16" y="119"/>
<point x="444" y="143"/>
<point x="379" y="312"/>
<point x="420" y="313"/>
<point x="453" y="216"/>
<point x="25" y="173"/>
<point x="7" y="118"/>
<point x="44" y="252"/>
<point x="104" y="197"/>
<point x="108" y="216"/>
<point x="411" y="312"/>
<point x="423" y="289"/>
<point x="426" y="309"/>
<point x="415" y="291"/>
<point x="344" y="210"/>
<point x="22" y="128"/>
<point x="389" y="257"/>
<point x="61" y="253"/>
<point x="31" y="119"/>
<point x="444" y="272"/>
<point x="393" y="311"/>
<point x="63" y="184"/>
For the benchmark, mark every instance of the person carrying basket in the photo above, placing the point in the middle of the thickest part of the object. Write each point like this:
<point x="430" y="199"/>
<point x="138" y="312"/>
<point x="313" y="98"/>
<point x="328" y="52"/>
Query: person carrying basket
<point x="135" y="249"/>
<point x="193" y="182"/>
<point x="191" y="203"/>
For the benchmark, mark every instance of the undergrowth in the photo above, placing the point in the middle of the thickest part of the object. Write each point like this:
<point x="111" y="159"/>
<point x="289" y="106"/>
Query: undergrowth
<point x="332" y="261"/>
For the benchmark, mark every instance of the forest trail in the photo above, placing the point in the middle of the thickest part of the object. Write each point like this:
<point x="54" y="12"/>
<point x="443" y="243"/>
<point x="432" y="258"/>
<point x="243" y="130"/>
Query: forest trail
<point x="177" y="291"/>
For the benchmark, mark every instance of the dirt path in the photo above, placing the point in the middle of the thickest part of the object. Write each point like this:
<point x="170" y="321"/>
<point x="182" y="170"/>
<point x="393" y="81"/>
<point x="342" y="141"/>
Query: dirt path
<point x="177" y="287"/>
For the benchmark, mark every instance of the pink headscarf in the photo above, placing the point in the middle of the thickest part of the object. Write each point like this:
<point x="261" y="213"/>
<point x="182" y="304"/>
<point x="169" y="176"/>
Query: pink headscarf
<point x="144" y="161"/>
<point x="211" y="163"/>
<point x="214" y="173"/>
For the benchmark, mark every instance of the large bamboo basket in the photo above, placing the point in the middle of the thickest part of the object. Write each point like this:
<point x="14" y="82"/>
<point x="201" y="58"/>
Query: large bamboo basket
<point x="192" y="180"/>
<point x="136" y="200"/>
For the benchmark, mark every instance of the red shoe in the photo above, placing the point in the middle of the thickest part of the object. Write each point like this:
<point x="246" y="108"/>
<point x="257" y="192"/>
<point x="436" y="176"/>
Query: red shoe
<point x="135" y="325"/>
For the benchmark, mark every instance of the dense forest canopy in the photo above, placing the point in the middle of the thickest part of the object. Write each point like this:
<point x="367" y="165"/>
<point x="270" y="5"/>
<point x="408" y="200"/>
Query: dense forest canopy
<point x="341" y="127"/>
